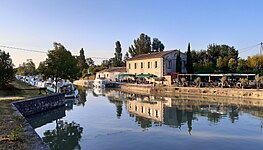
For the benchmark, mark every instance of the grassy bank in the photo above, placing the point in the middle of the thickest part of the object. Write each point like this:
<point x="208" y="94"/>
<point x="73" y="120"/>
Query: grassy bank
<point x="13" y="134"/>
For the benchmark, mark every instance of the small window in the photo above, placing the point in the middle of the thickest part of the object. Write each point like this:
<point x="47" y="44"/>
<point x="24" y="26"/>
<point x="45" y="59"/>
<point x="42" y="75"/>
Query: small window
<point x="107" y="75"/>
<point x="149" y="65"/>
<point x="156" y="114"/>
<point x="135" y="65"/>
<point x="141" y="64"/>
<point x="129" y="66"/>
<point x="155" y="64"/>
<point x="142" y="109"/>
<point x="135" y="108"/>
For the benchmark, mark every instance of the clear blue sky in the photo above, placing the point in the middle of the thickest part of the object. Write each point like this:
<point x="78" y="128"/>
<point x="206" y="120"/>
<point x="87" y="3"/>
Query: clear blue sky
<point x="96" y="25"/>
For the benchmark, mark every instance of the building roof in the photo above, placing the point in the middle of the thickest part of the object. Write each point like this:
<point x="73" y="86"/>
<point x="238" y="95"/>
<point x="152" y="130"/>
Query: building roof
<point x="152" y="55"/>
<point x="114" y="69"/>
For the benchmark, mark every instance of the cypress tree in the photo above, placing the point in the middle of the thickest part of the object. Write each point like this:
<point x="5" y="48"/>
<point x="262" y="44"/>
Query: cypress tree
<point x="189" y="61"/>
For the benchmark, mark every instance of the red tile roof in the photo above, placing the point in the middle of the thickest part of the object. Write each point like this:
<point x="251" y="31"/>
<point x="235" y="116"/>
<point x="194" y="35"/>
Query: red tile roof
<point x="152" y="55"/>
<point x="114" y="69"/>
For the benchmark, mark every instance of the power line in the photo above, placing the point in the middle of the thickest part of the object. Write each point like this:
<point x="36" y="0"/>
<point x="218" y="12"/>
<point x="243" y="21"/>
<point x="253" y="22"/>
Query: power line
<point x="248" y="48"/>
<point x="23" y="49"/>
<point x="38" y="51"/>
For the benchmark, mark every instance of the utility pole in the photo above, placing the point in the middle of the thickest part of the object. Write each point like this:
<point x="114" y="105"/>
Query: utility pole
<point x="261" y="48"/>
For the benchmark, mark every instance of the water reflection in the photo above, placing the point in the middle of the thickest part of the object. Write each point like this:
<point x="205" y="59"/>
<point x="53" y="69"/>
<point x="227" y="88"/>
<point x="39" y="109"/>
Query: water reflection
<point x="104" y="112"/>
<point x="64" y="136"/>
<point x="176" y="112"/>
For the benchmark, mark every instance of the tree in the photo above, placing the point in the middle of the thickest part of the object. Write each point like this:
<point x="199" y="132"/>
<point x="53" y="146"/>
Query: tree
<point x="189" y="61"/>
<point x="223" y="80"/>
<point x="27" y="68"/>
<point x="255" y="62"/>
<point x="258" y="79"/>
<point x="178" y="62"/>
<point x="117" y="61"/>
<point x="232" y="64"/>
<point x="6" y="69"/>
<point x="81" y="61"/>
<point x="242" y="65"/>
<point x="106" y="63"/>
<point x="142" y="45"/>
<point x="126" y="57"/>
<point x="157" y="45"/>
<point x="60" y="64"/>
<point x="244" y="82"/>
<point x="90" y="62"/>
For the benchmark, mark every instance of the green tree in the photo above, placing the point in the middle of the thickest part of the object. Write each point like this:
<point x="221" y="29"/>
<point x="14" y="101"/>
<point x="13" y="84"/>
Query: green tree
<point x="6" y="68"/>
<point x="90" y="62"/>
<point x="242" y="66"/>
<point x="157" y="45"/>
<point x="27" y="68"/>
<point x="81" y="61"/>
<point x="232" y="64"/>
<point x="189" y="61"/>
<point x="117" y="61"/>
<point x="126" y="57"/>
<point x="142" y="45"/>
<point x="178" y="62"/>
<point x="106" y="63"/>
<point x="60" y="64"/>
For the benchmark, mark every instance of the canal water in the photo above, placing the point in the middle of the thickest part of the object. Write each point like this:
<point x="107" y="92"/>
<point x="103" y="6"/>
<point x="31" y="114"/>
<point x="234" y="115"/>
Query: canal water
<point x="113" y="120"/>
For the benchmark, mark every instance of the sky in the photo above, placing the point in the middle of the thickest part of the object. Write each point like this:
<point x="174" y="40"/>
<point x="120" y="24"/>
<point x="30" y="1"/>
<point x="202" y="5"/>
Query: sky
<point x="96" y="25"/>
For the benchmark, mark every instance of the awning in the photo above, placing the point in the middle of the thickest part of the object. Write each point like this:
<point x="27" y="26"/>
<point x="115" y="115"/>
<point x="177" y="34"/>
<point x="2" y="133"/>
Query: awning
<point x="146" y="75"/>
<point x="126" y="75"/>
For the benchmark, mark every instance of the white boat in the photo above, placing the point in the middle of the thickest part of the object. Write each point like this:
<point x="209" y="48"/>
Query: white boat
<point x="100" y="83"/>
<point x="69" y="90"/>
<point x="62" y="87"/>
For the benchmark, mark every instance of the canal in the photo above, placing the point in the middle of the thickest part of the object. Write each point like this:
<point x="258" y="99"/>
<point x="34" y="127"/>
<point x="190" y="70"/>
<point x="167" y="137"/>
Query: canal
<point x="113" y="120"/>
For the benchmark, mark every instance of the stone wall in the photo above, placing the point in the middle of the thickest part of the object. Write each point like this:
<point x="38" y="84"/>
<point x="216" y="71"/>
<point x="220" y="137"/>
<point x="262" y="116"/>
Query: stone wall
<point x="173" y="91"/>
<point x="40" y="104"/>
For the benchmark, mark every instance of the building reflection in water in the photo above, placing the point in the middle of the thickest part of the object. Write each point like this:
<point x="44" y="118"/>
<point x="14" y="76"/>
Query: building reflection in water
<point x="174" y="112"/>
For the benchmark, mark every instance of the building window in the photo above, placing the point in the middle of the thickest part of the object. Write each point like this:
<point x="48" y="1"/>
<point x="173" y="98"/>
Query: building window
<point x="141" y="64"/>
<point x="135" y="108"/>
<point x="129" y="66"/>
<point x="155" y="64"/>
<point x="142" y="109"/>
<point x="149" y="111"/>
<point x="156" y="114"/>
<point x="135" y="65"/>
<point x="149" y="65"/>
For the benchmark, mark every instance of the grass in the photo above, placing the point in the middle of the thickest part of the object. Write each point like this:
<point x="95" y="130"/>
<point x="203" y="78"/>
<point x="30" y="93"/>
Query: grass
<point x="13" y="134"/>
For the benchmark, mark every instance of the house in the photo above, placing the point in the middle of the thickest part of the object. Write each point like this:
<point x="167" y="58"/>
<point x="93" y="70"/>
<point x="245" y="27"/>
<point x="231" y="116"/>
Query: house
<point x="158" y="63"/>
<point x="111" y="74"/>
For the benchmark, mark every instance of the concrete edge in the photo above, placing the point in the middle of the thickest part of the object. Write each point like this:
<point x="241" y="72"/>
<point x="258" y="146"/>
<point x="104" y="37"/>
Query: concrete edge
<point x="40" y="144"/>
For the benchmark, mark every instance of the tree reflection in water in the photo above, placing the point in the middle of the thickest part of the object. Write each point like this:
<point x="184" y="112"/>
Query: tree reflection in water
<point x="66" y="136"/>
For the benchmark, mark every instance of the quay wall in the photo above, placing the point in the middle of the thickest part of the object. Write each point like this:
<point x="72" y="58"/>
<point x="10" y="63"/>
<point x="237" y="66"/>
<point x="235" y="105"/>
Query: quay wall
<point x="84" y="83"/>
<point x="40" y="104"/>
<point x="36" y="105"/>
<point x="174" y="91"/>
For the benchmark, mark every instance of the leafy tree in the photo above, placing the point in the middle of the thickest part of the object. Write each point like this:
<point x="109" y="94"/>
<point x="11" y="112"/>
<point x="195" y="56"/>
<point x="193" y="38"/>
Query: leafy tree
<point x="27" y="68"/>
<point x="242" y="66"/>
<point x="255" y="62"/>
<point x="223" y="80"/>
<point x="157" y="45"/>
<point x="90" y="62"/>
<point x="178" y="62"/>
<point x="106" y="63"/>
<point x="189" y="62"/>
<point x="197" y="81"/>
<point x="258" y="79"/>
<point x="6" y="69"/>
<point x="232" y="64"/>
<point x="142" y="45"/>
<point x="117" y="61"/>
<point x="244" y="82"/>
<point x="60" y="64"/>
